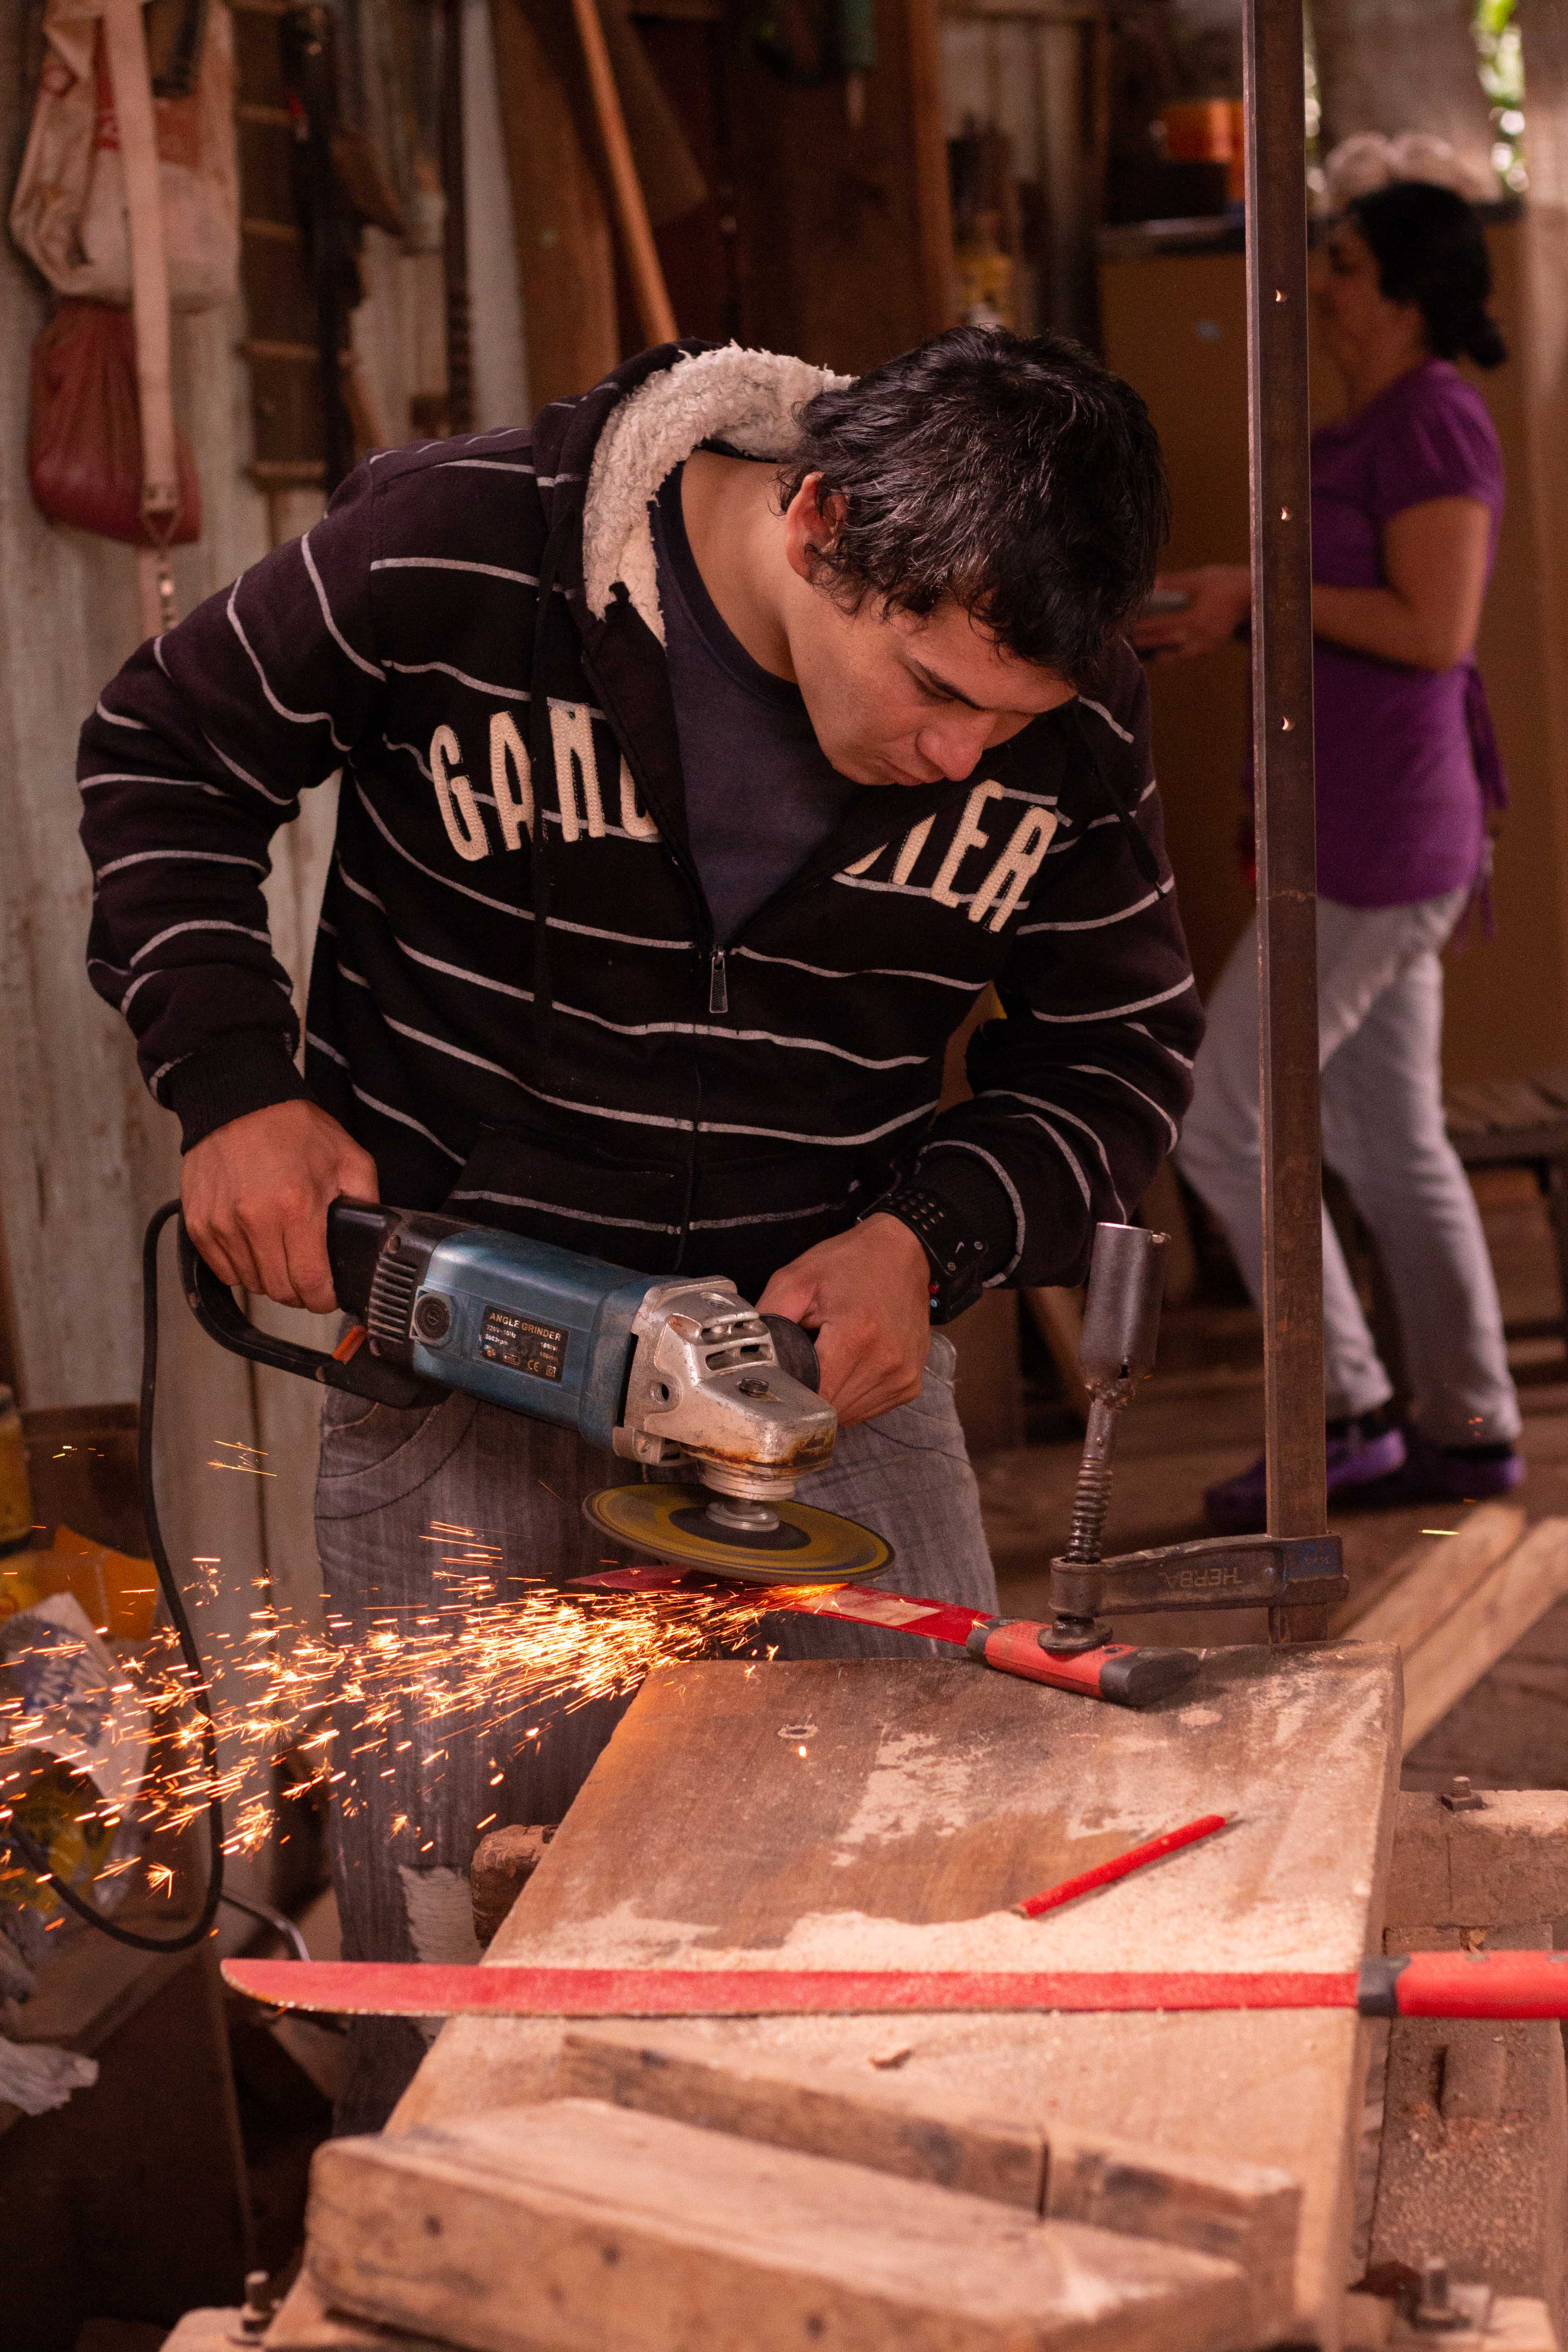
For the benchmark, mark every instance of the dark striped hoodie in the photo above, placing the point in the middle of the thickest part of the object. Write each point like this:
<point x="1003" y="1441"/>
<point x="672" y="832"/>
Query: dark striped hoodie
<point x="516" y="1003"/>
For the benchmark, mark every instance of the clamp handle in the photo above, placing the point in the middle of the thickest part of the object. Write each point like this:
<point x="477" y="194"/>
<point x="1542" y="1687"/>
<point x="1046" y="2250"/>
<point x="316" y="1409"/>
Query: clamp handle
<point x="214" y="1305"/>
<point x="1122" y="1312"/>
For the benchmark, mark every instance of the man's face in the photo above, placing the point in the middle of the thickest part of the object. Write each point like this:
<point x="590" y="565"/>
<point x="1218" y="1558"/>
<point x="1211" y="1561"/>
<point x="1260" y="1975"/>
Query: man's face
<point x="895" y="699"/>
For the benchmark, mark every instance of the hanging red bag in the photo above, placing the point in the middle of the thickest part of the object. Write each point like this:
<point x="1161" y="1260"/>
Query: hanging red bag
<point x="84" y="439"/>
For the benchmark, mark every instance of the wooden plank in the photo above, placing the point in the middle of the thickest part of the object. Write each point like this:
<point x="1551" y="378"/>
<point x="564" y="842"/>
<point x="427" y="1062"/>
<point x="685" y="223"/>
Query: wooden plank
<point x="858" y="2113"/>
<point x="1505" y="1864"/>
<point x="1508" y="1863"/>
<point x="1498" y="1613"/>
<point x="305" y="2322"/>
<point x="923" y="1805"/>
<point x="866" y="2114"/>
<point x="1242" y="2213"/>
<point x="638" y="251"/>
<point x="564" y="252"/>
<point x="1502" y="1103"/>
<point x="1476" y="2133"/>
<point x="885" y="1813"/>
<point x="1425" y="1585"/>
<point x="580" y="2224"/>
<point x="1475" y="2147"/>
<point x="927" y="155"/>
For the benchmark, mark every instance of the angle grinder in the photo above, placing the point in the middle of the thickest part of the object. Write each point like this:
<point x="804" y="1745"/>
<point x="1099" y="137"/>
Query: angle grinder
<point x="678" y="1373"/>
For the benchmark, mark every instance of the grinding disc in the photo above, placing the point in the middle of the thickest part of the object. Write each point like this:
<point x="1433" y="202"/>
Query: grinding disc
<point x="808" y="1546"/>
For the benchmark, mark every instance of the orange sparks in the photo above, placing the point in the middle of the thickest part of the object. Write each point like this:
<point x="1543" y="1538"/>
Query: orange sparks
<point x="348" y="1702"/>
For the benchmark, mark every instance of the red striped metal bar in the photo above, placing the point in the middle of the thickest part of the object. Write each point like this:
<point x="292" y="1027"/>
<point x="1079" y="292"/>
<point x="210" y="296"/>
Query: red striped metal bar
<point x="1426" y="1984"/>
<point x="396" y="1988"/>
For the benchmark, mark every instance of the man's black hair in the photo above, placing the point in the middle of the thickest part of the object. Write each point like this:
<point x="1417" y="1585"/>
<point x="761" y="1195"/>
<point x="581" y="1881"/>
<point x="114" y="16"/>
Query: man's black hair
<point x="1013" y="475"/>
<point x="1431" y="249"/>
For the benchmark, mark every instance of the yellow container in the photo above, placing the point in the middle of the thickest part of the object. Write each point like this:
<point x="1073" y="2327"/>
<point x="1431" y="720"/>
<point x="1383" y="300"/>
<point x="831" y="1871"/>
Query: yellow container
<point x="19" y="1586"/>
<point x="16" y="1493"/>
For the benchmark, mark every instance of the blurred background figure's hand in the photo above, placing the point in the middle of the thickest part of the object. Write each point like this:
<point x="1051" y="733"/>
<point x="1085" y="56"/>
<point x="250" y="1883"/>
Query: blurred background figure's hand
<point x="1218" y="599"/>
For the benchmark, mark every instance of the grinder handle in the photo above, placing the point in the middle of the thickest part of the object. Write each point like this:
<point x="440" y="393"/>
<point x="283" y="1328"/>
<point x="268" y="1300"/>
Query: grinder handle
<point x="213" y="1304"/>
<point x="796" y="1352"/>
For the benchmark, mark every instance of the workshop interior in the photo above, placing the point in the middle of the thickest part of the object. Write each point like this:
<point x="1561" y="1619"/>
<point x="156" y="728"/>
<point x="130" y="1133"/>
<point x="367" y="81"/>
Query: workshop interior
<point x="783" y="1176"/>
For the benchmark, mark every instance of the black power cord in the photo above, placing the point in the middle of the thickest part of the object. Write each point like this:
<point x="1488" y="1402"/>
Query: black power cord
<point x="19" y="1839"/>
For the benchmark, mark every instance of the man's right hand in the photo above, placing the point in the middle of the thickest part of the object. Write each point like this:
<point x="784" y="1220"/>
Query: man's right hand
<point x="255" y="1193"/>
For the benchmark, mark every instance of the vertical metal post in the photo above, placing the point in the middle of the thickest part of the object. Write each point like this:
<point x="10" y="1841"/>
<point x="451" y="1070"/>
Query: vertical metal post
<point x="1287" y="815"/>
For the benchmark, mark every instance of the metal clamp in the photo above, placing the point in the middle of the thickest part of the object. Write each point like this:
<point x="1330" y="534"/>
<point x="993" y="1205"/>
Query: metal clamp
<point x="1279" y="1574"/>
<point x="1213" y="1572"/>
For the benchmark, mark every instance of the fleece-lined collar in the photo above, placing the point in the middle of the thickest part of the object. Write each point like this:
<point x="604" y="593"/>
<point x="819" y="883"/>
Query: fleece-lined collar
<point x="751" y="400"/>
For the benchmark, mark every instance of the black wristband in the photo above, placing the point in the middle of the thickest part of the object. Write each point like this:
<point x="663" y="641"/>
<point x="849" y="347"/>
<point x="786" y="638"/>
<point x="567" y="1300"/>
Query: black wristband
<point x="955" y="1255"/>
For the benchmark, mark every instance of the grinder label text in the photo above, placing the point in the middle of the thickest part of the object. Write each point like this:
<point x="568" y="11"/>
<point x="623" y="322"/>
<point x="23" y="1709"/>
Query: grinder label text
<point x="527" y="1347"/>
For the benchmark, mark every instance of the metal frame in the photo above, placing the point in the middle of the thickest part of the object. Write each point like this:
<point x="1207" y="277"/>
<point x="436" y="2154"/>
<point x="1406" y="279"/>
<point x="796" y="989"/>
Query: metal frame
<point x="1278" y="421"/>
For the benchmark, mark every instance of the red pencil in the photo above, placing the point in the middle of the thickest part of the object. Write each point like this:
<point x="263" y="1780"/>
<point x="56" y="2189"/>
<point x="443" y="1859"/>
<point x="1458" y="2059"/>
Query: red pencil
<point x="1107" y="1872"/>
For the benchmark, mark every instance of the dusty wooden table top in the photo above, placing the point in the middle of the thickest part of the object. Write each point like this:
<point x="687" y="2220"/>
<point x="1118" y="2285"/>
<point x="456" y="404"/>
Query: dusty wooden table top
<point x="930" y="1797"/>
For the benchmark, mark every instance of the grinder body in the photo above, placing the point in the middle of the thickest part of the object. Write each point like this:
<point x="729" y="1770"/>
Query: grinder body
<point x="660" y="1369"/>
<point x="518" y="1323"/>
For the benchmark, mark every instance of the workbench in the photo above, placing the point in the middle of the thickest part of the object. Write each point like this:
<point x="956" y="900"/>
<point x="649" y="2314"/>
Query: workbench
<point x="887" y="1814"/>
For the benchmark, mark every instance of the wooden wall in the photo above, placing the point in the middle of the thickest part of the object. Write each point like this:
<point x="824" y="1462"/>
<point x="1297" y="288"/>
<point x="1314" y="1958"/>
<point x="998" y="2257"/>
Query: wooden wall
<point x="1175" y="326"/>
<point x="820" y="238"/>
<point x="84" y="1155"/>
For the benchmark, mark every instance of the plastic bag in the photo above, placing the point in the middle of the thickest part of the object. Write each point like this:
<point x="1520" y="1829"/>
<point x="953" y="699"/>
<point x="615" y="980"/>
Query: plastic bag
<point x="84" y="433"/>
<point x="69" y="212"/>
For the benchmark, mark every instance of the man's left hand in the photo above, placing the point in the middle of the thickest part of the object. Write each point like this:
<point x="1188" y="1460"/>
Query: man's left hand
<point x="866" y="1297"/>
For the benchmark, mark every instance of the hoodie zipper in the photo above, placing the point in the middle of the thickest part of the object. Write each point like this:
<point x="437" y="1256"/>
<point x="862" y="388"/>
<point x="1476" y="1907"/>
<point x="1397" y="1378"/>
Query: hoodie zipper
<point x="718" y="970"/>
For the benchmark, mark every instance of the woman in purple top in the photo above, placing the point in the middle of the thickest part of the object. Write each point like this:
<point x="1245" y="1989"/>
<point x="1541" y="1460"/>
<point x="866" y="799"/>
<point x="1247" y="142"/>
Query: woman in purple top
<point x="1408" y="497"/>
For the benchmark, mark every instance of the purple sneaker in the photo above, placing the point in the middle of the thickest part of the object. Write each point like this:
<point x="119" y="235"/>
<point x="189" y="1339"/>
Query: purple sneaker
<point x="1447" y="1473"/>
<point x="1239" y="1507"/>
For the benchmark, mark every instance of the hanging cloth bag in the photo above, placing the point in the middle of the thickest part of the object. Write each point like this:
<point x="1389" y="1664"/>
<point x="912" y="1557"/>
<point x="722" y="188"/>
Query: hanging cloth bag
<point x="69" y="212"/>
<point x="79" y="437"/>
<point x="84" y="437"/>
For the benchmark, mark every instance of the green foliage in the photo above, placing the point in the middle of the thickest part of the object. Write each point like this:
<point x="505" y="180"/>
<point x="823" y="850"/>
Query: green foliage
<point x="1500" y="63"/>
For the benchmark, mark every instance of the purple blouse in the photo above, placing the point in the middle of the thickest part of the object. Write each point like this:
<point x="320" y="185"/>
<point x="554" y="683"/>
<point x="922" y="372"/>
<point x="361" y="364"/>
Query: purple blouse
<point x="1407" y="763"/>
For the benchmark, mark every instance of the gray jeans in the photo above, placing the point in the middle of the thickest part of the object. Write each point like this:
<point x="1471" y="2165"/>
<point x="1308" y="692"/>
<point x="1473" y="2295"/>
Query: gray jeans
<point x="1380" y="1020"/>
<point x="407" y="1810"/>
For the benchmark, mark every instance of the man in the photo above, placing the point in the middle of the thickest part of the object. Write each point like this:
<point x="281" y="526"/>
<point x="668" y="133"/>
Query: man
<point x="707" y="752"/>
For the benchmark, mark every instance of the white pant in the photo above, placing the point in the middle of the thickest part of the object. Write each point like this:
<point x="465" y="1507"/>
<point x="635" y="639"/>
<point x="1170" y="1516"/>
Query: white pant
<point x="1380" y="1023"/>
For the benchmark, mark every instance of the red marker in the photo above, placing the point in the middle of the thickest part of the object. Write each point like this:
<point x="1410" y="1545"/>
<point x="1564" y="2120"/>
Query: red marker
<point x="1106" y="1873"/>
